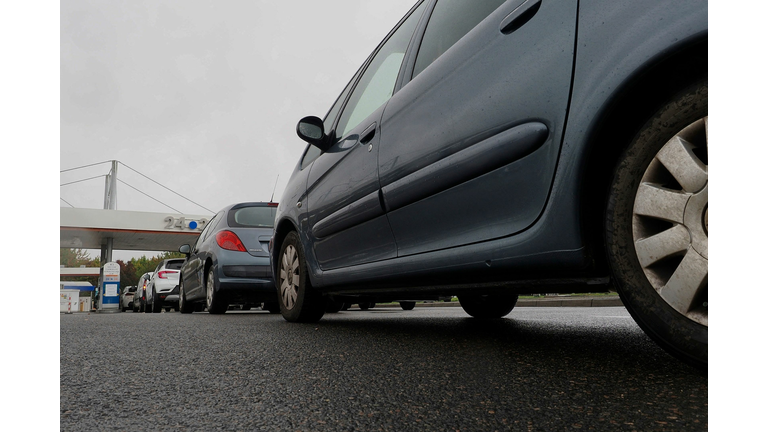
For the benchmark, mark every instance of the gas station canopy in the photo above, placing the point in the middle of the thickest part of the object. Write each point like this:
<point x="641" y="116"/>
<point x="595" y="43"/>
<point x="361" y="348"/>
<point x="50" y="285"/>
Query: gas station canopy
<point x="129" y="230"/>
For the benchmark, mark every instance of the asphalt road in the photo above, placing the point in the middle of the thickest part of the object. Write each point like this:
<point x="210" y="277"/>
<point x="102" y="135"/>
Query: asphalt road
<point x="538" y="369"/>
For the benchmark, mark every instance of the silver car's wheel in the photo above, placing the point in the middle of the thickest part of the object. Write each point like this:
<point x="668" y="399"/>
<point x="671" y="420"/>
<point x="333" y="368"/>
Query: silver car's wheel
<point x="670" y="222"/>
<point x="289" y="277"/>
<point x="213" y="299"/>
<point x="657" y="226"/>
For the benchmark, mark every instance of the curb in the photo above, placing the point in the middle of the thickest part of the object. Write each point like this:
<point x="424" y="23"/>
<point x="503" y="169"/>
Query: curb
<point x="612" y="301"/>
<point x="572" y="302"/>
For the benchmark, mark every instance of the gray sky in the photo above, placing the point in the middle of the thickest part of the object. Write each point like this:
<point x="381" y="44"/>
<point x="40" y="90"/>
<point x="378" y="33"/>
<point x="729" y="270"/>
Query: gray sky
<point x="202" y="96"/>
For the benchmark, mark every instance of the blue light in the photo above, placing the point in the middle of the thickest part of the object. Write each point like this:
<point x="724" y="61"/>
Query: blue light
<point x="192" y="225"/>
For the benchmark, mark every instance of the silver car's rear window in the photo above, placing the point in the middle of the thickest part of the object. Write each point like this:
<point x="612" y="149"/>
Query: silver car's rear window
<point x="253" y="217"/>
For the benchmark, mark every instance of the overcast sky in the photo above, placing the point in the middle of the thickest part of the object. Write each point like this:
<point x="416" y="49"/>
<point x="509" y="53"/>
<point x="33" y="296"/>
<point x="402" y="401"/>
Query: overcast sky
<point x="202" y="96"/>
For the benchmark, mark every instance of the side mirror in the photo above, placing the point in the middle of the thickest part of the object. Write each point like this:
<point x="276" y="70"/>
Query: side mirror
<point x="185" y="249"/>
<point x="312" y="130"/>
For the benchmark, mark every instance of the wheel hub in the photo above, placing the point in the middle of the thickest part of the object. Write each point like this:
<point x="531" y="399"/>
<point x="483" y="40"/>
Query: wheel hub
<point x="670" y="222"/>
<point x="695" y="221"/>
<point x="289" y="277"/>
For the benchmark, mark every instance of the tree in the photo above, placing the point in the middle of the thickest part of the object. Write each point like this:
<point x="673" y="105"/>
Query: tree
<point x="128" y="275"/>
<point x="145" y="265"/>
<point x="74" y="257"/>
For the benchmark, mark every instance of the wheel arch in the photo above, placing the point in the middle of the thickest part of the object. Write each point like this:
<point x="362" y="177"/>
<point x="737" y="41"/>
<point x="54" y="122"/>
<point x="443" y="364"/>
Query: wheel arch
<point x="208" y="264"/>
<point x="622" y="116"/>
<point x="282" y="229"/>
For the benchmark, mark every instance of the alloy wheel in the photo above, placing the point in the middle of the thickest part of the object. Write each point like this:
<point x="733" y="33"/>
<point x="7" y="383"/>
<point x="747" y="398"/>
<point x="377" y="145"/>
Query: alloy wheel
<point x="670" y="222"/>
<point x="209" y="287"/>
<point x="289" y="277"/>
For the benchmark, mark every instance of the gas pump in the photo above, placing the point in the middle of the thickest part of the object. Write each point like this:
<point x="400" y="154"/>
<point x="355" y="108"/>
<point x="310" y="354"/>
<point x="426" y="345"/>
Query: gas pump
<point x="110" y="287"/>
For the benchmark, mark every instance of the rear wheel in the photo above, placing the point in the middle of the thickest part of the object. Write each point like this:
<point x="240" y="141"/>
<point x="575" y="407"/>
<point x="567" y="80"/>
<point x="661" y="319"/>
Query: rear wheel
<point x="332" y="306"/>
<point x="299" y="302"/>
<point x="657" y="226"/>
<point x="488" y="306"/>
<point x="271" y="307"/>
<point x="213" y="298"/>
<point x="157" y="305"/>
<point x="184" y="306"/>
<point x="407" y="305"/>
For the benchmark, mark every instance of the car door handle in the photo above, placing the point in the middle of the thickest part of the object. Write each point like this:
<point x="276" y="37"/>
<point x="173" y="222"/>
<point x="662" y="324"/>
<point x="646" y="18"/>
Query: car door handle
<point x="521" y="15"/>
<point x="368" y="134"/>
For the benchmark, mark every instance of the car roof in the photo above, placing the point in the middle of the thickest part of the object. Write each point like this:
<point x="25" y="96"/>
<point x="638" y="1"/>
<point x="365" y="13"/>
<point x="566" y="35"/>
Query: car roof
<point x="249" y="204"/>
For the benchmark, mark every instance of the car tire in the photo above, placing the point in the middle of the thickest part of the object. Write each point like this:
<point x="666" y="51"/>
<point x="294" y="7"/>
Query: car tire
<point x="213" y="298"/>
<point x="363" y="306"/>
<point x="299" y="301"/>
<point x="656" y="226"/>
<point x="407" y="305"/>
<point x="271" y="307"/>
<point x="491" y="306"/>
<point x="157" y="306"/>
<point x="184" y="306"/>
<point x="168" y="309"/>
<point x="332" y="306"/>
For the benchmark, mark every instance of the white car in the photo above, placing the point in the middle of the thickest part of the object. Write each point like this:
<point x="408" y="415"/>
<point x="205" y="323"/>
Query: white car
<point x="140" y="296"/>
<point x="126" y="299"/>
<point x="163" y="288"/>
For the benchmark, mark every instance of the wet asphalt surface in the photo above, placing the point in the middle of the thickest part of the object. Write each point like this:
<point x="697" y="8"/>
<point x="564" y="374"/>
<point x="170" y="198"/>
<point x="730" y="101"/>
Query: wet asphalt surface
<point x="539" y="369"/>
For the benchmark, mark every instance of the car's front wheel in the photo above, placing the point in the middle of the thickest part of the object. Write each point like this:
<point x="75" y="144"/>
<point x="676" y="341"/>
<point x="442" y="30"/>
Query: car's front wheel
<point x="657" y="226"/>
<point x="213" y="298"/>
<point x="299" y="302"/>
<point x="488" y="306"/>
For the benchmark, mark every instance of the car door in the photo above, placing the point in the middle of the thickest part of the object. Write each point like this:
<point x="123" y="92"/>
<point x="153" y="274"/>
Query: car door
<point x="192" y="271"/>
<point x="469" y="145"/>
<point x="347" y="221"/>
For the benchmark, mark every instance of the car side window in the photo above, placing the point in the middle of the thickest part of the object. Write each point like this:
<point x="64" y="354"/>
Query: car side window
<point x="202" y="235"/>
<point x="313" y="152"/>
<point x="449" y="22"/>
<point x="377" y="83"/>
<point x="207" y="232"/>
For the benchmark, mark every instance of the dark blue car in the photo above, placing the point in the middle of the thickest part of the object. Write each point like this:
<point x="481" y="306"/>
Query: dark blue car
<point x="491" y="148"/>
<point x="229" y="262"/>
